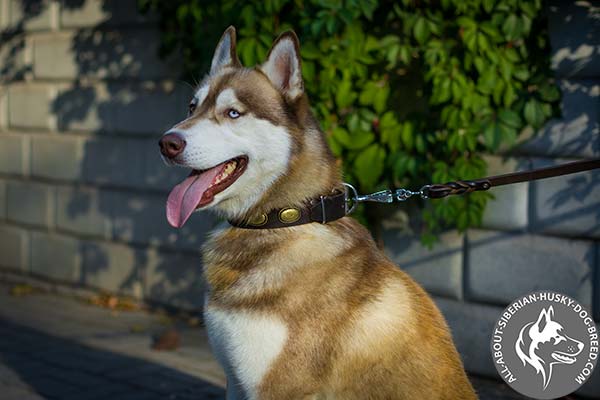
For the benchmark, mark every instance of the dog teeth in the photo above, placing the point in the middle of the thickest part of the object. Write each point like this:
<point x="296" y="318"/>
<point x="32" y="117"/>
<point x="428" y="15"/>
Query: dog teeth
<point x="229" y="168"/>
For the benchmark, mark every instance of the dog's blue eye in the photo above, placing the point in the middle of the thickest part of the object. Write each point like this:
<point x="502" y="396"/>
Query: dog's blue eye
<point x="191" y="108"/>
<point x="233" y="114"/>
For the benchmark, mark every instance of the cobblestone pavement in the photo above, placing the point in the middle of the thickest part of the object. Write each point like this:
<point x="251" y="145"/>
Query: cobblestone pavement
<point x="56" y="347"/>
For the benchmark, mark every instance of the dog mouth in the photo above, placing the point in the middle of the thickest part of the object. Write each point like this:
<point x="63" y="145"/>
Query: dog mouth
<point x="563" y="357"/>
<point x="200" y="188"/>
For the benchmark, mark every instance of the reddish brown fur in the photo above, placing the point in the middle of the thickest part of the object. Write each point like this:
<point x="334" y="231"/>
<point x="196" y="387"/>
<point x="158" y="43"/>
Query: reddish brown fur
<point x="358" y="327"/>
<point x="253" y="89"/>
<point x="320" y="306"/>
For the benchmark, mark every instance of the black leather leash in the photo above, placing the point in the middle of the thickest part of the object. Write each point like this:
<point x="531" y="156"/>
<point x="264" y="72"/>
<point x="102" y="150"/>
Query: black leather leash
<point x="459" y="187"/>
<point x="438" y="191"/>
<point x="339" y="204"/>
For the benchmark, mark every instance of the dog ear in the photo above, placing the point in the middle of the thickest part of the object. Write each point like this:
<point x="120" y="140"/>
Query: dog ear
<point x="225" y="53"/>
<point x="283" y="67"/>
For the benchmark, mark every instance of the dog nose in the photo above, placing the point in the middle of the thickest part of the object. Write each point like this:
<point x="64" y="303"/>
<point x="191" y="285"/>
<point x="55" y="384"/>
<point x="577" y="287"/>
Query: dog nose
<point x="171" y="145"/>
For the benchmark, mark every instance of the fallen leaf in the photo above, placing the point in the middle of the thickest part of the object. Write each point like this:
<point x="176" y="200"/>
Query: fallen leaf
<point x="164" y="319"/>
<point x="112" y="302"/>
<point x="137" y="328"/>
<point x="115" y="302"/>
<point x="21" y="290"/>
<point x="169" y="340"/>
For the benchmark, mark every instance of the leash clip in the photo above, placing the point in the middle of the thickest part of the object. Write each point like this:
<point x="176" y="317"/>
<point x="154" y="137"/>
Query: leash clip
<point x="405" y="194"/>
<point x="384" y="196"/>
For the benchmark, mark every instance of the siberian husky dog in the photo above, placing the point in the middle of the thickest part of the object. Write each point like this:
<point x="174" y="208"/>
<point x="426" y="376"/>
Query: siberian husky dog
<point x="313" y="311"/>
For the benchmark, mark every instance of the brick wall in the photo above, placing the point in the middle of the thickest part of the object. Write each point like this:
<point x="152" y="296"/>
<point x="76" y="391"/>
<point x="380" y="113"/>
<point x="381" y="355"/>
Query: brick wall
<point x="83" y="98"/>
<point x="539" y="235"/>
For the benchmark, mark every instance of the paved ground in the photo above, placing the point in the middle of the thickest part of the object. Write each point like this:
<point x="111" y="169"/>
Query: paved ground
<point x="55" y="347"/>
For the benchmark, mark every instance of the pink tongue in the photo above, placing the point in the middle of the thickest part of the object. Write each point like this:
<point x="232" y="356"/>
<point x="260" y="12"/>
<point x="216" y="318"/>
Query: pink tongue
<point x="184" y="198"/>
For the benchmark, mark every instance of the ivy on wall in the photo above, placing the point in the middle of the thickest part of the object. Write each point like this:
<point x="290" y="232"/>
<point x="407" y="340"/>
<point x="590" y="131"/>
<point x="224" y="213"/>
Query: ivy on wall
<point x="408" y="92"/>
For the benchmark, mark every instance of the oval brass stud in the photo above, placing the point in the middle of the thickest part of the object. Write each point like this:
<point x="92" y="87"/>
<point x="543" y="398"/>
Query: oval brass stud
<point x="289" y="215"/>
<point x="259" y="220"/>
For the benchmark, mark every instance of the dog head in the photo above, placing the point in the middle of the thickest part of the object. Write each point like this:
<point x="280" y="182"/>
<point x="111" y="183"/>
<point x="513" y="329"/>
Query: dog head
<point x="544" y="343"/>
<point x="247" y="135"/>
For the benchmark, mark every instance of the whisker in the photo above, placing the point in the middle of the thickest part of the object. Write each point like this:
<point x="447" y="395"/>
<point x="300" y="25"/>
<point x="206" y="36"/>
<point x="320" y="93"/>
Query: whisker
<point x="196" y="82"/>
<point x="187" y="83"/>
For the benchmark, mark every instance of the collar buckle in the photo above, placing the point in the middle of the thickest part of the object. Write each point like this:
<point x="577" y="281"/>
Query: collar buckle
<point x="323" y="213"/>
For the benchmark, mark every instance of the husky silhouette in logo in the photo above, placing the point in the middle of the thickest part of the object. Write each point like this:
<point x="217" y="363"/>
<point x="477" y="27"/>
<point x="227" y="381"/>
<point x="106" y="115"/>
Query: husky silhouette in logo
<point x="543" y="343"/>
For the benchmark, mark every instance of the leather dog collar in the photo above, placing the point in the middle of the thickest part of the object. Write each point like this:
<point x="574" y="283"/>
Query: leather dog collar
<point x="322" y="210"/>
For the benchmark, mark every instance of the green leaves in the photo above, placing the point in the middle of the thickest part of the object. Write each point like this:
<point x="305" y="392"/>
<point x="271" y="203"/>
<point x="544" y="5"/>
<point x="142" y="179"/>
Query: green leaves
<point x="350" y="141"/>
<point x="369" y="166"/>
<point x="375" y="94"/>
<point x="510" y="118"/>
<point x="492" y="136"/>
<point x="421" y="30"/>
<point x="345" y="96"/>
<point x="549" y="92"/>
<point x="502" y="130"/>
<point x="534" y="113"/>
<point x="407" y="92"/>
<point x="511" y="27"/>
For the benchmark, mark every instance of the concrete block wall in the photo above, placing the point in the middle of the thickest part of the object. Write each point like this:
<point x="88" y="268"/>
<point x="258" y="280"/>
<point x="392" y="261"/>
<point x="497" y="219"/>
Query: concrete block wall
<point x="83" y="101"/>
<point x="84" y="98"/>
<point x="537" y="235"/>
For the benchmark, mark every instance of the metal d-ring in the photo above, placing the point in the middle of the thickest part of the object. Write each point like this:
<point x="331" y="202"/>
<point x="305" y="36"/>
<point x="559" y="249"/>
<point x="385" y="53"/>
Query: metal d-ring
<point x="352" y="200"/>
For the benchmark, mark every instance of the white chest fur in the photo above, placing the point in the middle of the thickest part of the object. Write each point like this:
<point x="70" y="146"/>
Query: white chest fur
<point x="246" y="344"/>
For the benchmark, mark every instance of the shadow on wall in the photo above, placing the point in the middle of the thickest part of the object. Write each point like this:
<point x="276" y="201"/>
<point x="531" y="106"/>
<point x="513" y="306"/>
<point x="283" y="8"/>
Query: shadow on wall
<point x="577" y="132"/>
<point x="570" y="205"/>
<point x="119" y="92"/>
<point x="116" y="90"/>
<point x="12" y="42"/>
<point x="574" y="29"/>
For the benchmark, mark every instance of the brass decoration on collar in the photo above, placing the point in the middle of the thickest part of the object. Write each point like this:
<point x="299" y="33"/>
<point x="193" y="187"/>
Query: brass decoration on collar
<point x="289" y="215"/>
<point x="324" y="209"/>
<point x="259" y="220"/>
